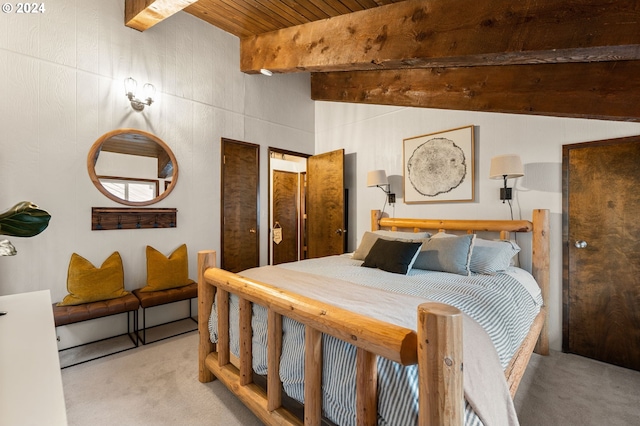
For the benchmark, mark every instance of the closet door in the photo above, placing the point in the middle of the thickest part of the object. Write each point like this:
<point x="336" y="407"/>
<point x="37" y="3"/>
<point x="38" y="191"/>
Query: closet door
<point x="240" y="201"/>
<point x="601" y="232"/>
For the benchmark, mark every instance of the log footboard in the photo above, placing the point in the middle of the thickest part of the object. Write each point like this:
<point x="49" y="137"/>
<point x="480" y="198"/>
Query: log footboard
<point x="439" y="357"/>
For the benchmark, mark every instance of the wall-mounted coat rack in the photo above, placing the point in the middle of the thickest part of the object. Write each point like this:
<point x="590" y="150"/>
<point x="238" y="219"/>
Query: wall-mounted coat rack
<point x="105" y="218"/>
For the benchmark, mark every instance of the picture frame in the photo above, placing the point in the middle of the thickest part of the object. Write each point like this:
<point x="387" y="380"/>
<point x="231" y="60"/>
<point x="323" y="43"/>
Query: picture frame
<point x="440" y="167"/>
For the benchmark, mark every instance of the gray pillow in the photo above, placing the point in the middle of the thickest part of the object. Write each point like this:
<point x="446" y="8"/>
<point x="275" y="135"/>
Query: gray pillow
<point x="400" y="235"/>
<point x="369" y="238"/>
<point x="489" y="257"/>
<point x="446" y="254"/>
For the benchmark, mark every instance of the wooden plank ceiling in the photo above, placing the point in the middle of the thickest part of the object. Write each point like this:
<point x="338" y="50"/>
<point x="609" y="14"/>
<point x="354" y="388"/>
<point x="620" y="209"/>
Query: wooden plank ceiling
<point x="250" y="18"/>
<point x="569" y="58"/>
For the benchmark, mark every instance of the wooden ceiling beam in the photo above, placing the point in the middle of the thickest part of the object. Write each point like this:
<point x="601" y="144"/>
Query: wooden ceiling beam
<point x="144" y="14"/>
<point x="597" y="90"/>
<point x="453" y="33"/>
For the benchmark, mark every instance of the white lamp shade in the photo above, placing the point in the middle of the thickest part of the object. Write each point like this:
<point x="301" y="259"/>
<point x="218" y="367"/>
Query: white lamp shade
<point x="130" y="86"/>
<point x="508" y="165"/>
<point x="377" y="178"/>
<point x="149" y="90"/>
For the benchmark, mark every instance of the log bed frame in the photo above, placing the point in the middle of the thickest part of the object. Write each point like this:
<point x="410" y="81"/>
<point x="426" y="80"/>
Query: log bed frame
<point x="439" y="359"/>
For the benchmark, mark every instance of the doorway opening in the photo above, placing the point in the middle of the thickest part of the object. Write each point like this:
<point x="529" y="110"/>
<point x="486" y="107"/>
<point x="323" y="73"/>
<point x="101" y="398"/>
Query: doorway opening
<point x="287" y="206"/>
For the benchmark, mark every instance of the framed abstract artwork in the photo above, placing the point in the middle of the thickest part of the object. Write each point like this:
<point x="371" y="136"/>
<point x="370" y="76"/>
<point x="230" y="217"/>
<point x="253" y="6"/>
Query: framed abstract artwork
<point x="439" y="167"/>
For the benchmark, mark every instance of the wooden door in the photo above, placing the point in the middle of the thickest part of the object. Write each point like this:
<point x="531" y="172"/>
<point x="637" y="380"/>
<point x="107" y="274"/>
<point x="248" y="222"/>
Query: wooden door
<point x="240" y="201"/>
<point x="601" y="232"/>
<point x="285" y="216"/>
<point x="325" y="204"/>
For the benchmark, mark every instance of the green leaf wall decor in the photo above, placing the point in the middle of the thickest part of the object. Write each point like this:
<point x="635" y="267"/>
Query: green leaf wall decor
<point x="24" y="219"/>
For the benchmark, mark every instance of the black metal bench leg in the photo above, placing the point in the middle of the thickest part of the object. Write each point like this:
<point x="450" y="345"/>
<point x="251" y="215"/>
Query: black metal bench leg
<point x="144" y="326"/>
<point x="135" y="327"/>
<point x="190" y="314"/>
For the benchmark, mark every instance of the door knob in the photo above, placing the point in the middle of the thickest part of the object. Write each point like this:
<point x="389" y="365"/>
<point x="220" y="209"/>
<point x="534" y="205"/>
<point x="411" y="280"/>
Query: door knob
<point x="580" y="244"/>
<point x="252" y="231"/>
<point x="340" y="231"/>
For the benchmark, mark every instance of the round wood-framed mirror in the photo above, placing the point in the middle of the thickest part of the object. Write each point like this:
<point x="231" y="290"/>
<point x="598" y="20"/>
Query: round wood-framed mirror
<point x="132" y="167"/>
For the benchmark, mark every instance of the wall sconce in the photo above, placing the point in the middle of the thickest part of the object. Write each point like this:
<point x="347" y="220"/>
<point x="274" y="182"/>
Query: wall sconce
<point x="379" y="178"/>
<point x="506" y="167"/>
<point x="148" y="90"/>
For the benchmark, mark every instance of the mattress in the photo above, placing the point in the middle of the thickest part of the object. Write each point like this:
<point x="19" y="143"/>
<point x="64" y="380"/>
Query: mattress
<point x="504" y="305"/>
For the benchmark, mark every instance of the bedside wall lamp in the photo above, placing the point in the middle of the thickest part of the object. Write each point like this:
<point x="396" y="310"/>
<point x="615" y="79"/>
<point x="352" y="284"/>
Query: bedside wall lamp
<point x="379" y="178"/>
<point x="505" y="167"/>
<point x="130" y="86"/>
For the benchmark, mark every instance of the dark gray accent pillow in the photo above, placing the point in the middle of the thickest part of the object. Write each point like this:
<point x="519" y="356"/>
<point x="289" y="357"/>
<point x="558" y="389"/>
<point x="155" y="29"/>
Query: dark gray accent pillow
<point x="392" y="256"/>
<point x="451" y="255"/>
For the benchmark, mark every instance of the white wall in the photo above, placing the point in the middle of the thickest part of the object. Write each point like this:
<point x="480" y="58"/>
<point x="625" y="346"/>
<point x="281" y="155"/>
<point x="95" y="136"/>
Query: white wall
<point x="61" y="87"/>
<point x="373" y="137"/>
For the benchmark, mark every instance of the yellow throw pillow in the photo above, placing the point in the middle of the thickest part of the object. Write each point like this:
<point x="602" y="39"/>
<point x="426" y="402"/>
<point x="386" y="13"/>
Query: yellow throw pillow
<point x="164" y="273"/>
<point x="86" y="283"/>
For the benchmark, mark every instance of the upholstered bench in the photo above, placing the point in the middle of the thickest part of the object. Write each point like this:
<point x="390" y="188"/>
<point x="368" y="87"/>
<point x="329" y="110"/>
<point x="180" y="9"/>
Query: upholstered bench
<point x="150" y="299"/>
<point x="71" y="314"/>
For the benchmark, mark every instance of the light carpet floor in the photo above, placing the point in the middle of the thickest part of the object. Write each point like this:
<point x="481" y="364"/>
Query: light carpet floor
<point x="157" y="384"/>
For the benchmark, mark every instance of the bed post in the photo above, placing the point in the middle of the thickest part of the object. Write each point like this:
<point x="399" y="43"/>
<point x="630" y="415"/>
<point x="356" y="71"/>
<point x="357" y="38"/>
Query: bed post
<point x="206" y="293"/>
<point x="540" y="270"/>
<point x="375" y="217"/>
<point x="441" y="396"/>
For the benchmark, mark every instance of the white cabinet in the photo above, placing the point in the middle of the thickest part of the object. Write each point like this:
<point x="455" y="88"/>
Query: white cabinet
<point x="30" y="379"/>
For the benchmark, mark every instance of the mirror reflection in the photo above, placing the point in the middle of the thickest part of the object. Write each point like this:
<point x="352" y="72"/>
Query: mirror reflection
<point x="132" y="167"/>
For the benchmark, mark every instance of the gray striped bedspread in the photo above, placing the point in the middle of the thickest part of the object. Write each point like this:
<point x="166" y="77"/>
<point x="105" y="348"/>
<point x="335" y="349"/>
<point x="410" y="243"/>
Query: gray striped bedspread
<point x="504" y="305"/>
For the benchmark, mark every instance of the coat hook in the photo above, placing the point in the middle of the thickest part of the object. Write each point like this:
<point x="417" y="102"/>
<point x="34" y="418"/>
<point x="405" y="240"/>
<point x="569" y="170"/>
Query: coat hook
<point x="155" y="224"/>
<point x="119" y="222"/>
<point x="99" y="225"/>
<point x="138" y="224"/>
